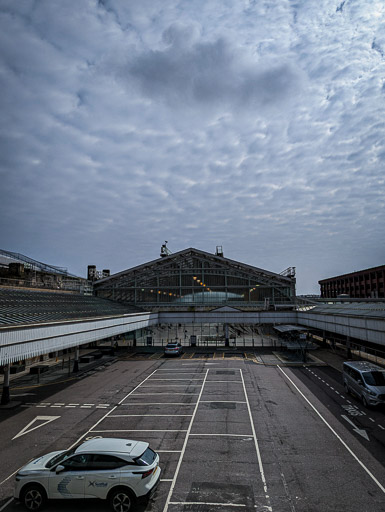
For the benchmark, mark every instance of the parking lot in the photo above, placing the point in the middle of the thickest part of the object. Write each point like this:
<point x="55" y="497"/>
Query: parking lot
<point x="231" y="435"/>
<point x="186" y="413"/>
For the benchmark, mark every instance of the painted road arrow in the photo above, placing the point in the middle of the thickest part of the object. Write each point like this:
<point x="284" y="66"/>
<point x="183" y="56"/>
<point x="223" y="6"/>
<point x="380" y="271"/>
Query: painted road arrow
<point x="43" y="419"/>
<point x="359" y="431"/>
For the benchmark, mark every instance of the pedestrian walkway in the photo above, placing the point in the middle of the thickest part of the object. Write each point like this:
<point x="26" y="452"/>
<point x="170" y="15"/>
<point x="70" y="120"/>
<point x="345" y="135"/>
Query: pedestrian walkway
<point x="58" y="372"/>
<point x="336" y="356"/>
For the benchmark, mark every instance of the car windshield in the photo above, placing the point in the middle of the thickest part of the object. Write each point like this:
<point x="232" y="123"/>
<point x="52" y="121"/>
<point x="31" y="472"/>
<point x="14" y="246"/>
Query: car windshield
<point x="60" y="457"/>
<point x="147" y="458"/>
<point x="374" y="378"/>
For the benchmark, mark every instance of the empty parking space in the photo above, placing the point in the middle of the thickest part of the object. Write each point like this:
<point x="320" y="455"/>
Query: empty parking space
<point x="221" y="418"/>
<point x="231" y="436"/>
<point x="198" y="419"/>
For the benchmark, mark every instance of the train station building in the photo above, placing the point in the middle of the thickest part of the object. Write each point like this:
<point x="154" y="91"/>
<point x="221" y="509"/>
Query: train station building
<point x="199" y="298"/>
<point x="196" y="279"/>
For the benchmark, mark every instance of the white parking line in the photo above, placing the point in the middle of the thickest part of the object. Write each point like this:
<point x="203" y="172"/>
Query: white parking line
<point x="222" y="402"/>
<point x="171" y="393"/>
<point x="223" y="435"/>
<point x="173" y="371"/>
<point x="110" y="411"/>
<point x="200" y="378"/>
<point x="165" y="509"/>
<point x="223" y="381"/>
<point x="171" y="385"/>
<point x="261" y="470"/>
<point x="206" y="503"/>
<point x="334" y="432"/>
<point x="146" y="415"/>
<point x="7" y="503"/>
<point x="138" y="430"/>
<point x="157" y="403"/>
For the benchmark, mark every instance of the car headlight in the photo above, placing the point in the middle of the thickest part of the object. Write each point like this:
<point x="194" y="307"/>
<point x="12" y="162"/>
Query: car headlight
<point x="372" y="393"/>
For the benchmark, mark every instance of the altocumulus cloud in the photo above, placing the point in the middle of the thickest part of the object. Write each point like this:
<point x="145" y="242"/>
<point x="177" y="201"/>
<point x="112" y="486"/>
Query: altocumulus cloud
<point x="256" y="125"/>
<point x="212" y="74"/>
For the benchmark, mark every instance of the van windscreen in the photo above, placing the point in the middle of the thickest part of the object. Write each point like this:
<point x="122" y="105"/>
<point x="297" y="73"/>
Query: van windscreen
<point x="374" y="378"/>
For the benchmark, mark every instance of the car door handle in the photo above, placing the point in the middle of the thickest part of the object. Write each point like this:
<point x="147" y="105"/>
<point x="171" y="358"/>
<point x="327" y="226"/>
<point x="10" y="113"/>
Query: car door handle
<point x="113" y="477"/>
<point x="79" y="477"/>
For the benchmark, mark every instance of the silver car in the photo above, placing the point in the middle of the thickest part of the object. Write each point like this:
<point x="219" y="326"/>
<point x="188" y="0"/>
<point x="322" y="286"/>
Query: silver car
<point x="365" y="380"/>
<point x="173" y="349"/>
<point x="117" y="470"/>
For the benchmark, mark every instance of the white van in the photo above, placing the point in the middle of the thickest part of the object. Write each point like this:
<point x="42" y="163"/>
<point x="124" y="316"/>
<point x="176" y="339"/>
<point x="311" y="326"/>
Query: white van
<point x="366" y="380"/>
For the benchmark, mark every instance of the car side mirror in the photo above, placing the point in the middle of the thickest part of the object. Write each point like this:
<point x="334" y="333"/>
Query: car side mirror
<point x="360" y="383"/>
<point x="59" y="468"/>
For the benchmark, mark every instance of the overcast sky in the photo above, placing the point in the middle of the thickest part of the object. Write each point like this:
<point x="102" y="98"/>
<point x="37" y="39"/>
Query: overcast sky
<point x="255" y="125"/>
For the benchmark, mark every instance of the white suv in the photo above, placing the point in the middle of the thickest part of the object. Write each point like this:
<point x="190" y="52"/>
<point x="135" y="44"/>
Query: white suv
<point x="117" y="470"/>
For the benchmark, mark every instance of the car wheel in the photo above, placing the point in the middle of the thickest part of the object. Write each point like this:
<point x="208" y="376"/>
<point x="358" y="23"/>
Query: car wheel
<point x="33" y="497"/>
<point x="121" y="500"/>
<point x="346" y="388"/>
<point x="364" y="401"/>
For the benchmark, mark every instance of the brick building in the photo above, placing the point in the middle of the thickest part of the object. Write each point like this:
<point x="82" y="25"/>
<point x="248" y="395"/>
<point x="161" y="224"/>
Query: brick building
<point x="363" y="284"/>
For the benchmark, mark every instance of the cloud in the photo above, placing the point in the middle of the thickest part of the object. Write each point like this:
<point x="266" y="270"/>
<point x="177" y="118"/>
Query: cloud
<point x="255" y="127"/>
<point x="212" y="74"/>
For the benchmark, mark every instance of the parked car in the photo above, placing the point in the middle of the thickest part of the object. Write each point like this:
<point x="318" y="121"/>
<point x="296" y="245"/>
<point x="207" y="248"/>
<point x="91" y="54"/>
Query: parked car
<point x="117" y="470"/>
<point x="365" y="380"/>
<point x="173" y="349"/>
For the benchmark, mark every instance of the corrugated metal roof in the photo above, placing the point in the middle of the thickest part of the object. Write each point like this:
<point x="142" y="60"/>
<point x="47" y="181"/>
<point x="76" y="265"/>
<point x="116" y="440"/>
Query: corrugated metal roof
<point x="20" y="307"/>
<point x="361" y="309"/>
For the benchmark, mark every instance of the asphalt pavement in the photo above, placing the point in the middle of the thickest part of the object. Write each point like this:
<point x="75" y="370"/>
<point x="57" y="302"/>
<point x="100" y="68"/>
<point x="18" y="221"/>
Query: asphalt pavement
<point x="232" y="431"/>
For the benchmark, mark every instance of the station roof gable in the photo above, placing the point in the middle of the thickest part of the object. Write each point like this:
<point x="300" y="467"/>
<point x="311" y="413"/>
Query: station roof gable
<point x="187" y="259"/>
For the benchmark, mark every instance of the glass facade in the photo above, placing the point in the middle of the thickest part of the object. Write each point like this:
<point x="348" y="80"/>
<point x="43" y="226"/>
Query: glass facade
<point x="196" y="278"/>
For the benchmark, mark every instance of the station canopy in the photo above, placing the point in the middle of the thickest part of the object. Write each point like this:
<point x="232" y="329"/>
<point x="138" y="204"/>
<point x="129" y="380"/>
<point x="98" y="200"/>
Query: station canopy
<point x="289" y="328"/>
<point x="192" y="277"/>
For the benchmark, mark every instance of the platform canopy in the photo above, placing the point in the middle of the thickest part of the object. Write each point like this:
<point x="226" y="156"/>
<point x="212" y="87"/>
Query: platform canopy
<point x="194" y="277"/>
<point x="289" y="328"/>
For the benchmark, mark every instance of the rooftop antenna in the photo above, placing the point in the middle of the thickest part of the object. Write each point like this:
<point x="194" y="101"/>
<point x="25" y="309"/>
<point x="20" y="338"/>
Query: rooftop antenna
<point x="164" y="250"/>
